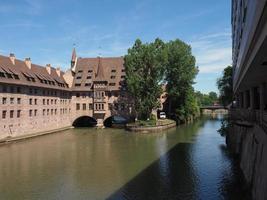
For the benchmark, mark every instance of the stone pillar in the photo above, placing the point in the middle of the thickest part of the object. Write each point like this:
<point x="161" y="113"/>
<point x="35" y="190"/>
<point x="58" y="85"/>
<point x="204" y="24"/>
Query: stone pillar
<point x="100" y="123"/>
<point x="241" y="98"/>
<point x="251" y="96"/>
<point x="262" y="96"/>
<point x="245" y="100"/>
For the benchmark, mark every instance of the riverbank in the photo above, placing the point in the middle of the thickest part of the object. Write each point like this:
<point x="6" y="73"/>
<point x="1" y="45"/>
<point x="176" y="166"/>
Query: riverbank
<point x="24" y="137"/>
<point x="157" y="126"/>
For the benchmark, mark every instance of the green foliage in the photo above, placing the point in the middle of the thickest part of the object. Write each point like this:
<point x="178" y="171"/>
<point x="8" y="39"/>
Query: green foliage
<point x="225" y="126"/>
<point x="149" y="65"/>
<point x="180" y="74"/>
<point x="225" y="86"/>
<point x="145" y="64"/>
<point x="206" y="99"/>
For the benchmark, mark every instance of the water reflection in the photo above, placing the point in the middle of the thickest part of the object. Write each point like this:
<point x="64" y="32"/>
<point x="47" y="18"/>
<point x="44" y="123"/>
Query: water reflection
<point x="189" y="162"/>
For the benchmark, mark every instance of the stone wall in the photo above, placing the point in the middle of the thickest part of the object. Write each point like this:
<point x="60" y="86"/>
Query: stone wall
<point x="249" y="143"/>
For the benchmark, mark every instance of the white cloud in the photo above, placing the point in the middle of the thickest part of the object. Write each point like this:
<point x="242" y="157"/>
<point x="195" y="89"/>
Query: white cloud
<point x="213" y="51"/>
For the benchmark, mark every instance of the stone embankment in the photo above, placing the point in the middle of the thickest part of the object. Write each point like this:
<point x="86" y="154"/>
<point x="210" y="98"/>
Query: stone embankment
<point x="249" y="142"/>
<point x="153" y="128"/>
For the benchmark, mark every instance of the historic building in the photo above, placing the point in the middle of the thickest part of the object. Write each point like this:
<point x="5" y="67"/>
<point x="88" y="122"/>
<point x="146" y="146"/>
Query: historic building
<point x="247" y="137"/>
<point x="36" y="99"/>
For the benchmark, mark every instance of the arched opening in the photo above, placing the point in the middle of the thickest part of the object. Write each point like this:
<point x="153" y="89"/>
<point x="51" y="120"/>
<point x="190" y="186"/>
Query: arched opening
<point x="115" y="121"/>
<point x="84" y="121"/>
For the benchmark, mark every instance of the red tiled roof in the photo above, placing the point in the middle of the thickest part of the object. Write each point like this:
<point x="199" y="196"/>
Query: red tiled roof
<point x="89" y="70"/>
<point x="23" y="74"/>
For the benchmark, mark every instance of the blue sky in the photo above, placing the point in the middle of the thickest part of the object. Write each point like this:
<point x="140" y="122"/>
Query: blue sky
<point x="46" y="30"/>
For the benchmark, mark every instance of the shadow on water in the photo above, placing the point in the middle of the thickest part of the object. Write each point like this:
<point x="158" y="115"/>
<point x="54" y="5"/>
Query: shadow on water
<point x="170" y="177"/>
<point x="174" y="176"/>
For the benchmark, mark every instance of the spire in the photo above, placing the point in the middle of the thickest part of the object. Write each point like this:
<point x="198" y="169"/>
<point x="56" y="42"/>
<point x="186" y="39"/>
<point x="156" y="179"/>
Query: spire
<point x="100" y="71"/>
<point x="73" y="57"/>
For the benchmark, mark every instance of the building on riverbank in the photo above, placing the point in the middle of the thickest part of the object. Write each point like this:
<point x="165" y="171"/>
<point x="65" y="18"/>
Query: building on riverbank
<point x="248" y="135"/>
<point x="36" y="99"/>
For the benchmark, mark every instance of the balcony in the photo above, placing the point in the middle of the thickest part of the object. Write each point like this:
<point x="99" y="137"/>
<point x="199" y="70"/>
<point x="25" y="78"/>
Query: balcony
<point x="249" y="116"/>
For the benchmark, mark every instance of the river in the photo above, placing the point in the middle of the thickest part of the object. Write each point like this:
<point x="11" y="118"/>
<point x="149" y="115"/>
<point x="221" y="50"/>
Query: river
<point x="187" y="162"/>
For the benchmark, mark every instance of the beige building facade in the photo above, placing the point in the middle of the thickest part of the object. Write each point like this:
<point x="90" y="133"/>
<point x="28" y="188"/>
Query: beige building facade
<point x="36" y="99"/>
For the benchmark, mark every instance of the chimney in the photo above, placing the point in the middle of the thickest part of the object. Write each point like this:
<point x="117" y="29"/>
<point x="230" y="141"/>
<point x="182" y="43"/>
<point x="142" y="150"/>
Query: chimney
<point x="58" y="71"/>
<point x="28" y="62"/>
<point x="48" y="68"/>
<point x="12" y="58"/>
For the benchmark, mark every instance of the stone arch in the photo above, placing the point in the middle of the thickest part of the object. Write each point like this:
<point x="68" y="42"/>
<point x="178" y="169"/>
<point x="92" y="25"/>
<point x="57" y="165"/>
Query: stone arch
<point x="116" y="120"/>
<point x="84" y="121"/>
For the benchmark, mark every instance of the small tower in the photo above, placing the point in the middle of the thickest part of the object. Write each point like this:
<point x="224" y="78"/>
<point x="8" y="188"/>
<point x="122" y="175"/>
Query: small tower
<point x="73" y="58"/>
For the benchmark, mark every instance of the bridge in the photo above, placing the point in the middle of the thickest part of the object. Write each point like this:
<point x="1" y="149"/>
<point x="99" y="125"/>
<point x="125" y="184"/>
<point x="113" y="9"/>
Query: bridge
<point x="214" y="108"/>
<point x="219" y="107"/>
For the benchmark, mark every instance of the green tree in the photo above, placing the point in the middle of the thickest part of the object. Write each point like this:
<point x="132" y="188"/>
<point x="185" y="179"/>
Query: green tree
<point x="213" y="96"/>
<point x="225" y="86"/>
<point x="145" y="65"/>
<point x="180" y="74"/>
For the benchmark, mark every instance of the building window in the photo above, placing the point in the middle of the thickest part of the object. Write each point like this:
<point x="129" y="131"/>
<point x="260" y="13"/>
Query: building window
<point x="78" y="77"/>
<point x="90" y="71"/>
<point x="112" y="84"/>
<point x="18" y="113"/>
<point x="35" y="112"/>
<point x="77" y="95"/>
<point x="3" y="114"/>
<point x="55" y="111"/>
<point x="11" y="113"/>
<point x="4" y="88"/>
<point x="30" y="90"/>
<point x="47" y="112"/>
<point x="18" y="90"/>
<point x="30" y="101"/>
<point x="47" y="101"/>
<point x="52" y="111"/>
<point x="112" y="77"/>
<point x="88" y="84"/>
<point x="88" y="77"/>
<point x="11" y="89"/>
<point x="113" y="70"/>
<point x="123" y="77"/>
<point x="18" y="100"/>
<point x="110" y="106"/>
<point x="80" y="71"/>
<point x="90" y="106"/>
<point x="77" y="106"/>
<point x="43" y="112"/>
<point x="84" y="106"/>
<point x="30" y="113"/>
<point x="4" y="100"/>
<point x="123" y="70"/>
<point x="77" y="84"/>
<point x="102" y="106"/>
<point x="43" y="101"/>
<point x="11" y="100"/>
<point x="35" y="101"/>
